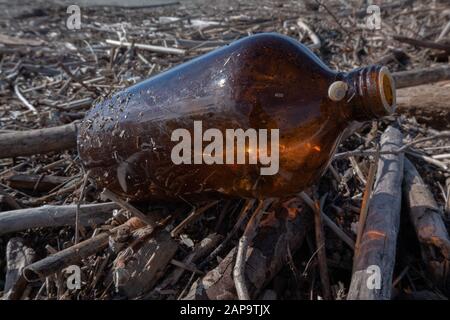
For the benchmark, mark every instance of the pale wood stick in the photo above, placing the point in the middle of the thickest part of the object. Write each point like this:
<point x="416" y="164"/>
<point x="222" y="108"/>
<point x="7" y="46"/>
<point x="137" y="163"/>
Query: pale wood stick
<point x="24" y="100"/>
<point x="149" y="47"/>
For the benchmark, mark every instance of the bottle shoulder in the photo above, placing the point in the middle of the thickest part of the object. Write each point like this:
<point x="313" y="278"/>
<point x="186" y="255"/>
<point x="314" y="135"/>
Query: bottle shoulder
<point x="281" y="47"/>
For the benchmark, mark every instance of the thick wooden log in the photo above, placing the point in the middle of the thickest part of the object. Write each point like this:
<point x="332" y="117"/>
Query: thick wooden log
<point x="29" y="142"/>
<point x="54" y="216"/>
<point x="417" y="77"/>
<point x="426" y="218"/>
<point x="279" y="231"/>
<point x="376" y="252"/>
<point x="429" y="103"/>
<point x="18" y="256"/>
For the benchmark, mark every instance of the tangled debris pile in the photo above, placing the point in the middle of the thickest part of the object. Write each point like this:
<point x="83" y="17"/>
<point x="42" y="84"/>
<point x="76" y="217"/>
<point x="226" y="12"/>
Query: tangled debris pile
<point x="315" y="245"/>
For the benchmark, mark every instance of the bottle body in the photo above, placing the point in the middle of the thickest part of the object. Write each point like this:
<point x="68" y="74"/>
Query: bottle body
<point x="265" y="83"/>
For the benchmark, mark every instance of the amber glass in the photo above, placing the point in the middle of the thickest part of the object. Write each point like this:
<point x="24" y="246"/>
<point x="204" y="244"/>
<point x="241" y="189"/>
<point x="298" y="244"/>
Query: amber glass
<point x="265" y="81"/>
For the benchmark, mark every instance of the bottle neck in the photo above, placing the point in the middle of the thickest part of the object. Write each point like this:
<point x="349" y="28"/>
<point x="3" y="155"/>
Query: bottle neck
<point x="371" y="93"/>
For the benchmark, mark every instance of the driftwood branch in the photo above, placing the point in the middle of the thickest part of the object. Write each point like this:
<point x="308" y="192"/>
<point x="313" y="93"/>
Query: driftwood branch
<point x="71" y="255"/>
<point x="378" y="241"/>
<point x="25" y="143"/>
<point x="424" y="43"/>
<point x="426" y="218"/>
<point x="54" y="216"/>
<point x="417" y="77"/>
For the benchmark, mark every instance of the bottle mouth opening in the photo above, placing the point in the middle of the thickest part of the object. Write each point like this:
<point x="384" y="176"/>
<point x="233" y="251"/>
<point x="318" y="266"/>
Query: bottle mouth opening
<point x="386" y="85"/>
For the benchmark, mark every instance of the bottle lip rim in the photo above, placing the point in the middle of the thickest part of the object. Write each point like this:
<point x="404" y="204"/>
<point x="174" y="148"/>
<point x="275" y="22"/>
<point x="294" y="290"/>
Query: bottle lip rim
<point x="382" y="75"/>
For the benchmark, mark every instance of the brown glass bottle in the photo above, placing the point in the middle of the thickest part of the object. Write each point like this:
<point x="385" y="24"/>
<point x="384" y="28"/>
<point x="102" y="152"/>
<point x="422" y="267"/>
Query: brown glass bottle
<point x="265" y="81"/>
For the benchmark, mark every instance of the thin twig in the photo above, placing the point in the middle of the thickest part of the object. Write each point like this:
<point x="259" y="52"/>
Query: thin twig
<point x="366" y="201"/>
<point x="149" y="47"/>
<point x="196" y="212"/>
<point x="321" y="254"/>
<point x="333" y="16"/>
<point x="130" y="208"/>
<point x="335" y="228"/>
<point x="24" y="100"/>
<point x="80" y="198"/>
<point x="248" y="205"/>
